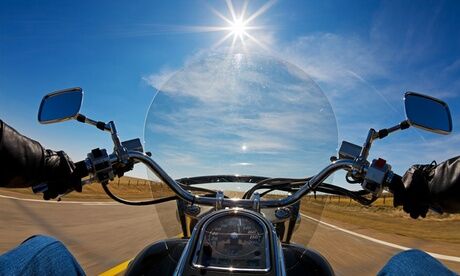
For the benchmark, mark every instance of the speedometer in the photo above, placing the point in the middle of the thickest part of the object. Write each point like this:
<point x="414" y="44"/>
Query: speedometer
<point x="235" y="236"/>
<point x="236" y="241"/>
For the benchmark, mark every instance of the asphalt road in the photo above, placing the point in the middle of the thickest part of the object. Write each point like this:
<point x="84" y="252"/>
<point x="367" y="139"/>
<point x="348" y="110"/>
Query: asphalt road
<point x="104" y="235"/>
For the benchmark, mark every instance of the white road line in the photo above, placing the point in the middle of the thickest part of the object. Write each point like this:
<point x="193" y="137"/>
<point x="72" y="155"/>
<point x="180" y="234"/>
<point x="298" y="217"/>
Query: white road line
<point x="397" y="246"/>
<point x="63" y="202"/>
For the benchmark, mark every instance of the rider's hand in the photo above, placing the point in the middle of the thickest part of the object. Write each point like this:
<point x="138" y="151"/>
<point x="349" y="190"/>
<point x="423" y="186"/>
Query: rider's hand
<point x="58" y="173"/>
<point x="413" y="191"/>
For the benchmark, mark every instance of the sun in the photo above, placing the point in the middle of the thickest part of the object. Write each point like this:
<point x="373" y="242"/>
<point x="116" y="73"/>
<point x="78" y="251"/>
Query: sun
<point x="239" y="25"/>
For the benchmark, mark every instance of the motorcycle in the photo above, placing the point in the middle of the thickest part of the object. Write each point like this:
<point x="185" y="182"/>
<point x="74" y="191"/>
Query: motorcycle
<point x="250" y="235"/>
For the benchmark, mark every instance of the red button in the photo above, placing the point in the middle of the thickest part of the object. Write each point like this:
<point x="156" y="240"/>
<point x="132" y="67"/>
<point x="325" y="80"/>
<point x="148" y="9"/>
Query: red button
<point x="380" y="163"/>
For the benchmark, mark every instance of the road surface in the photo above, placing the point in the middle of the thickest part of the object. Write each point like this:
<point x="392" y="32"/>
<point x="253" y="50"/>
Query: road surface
<point x="104" y="235"/>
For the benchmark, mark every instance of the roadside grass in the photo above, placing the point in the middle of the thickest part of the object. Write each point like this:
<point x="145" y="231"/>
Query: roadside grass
<point x="383" y="217"/>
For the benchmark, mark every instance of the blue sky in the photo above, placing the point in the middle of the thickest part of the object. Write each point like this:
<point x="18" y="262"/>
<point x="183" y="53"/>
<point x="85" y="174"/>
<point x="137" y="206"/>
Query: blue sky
<point x="363" y="55"/>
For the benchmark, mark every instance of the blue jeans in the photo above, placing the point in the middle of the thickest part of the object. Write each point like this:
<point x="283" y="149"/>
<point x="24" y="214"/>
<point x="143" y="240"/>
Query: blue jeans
<point x="39" y="255"/>
<point x="414" y="262"/>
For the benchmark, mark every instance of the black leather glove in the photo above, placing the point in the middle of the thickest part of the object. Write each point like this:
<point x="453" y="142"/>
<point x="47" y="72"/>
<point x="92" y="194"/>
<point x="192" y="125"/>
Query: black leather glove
<point x="25" y="163"/>
<point x="413" y="191"/>
<point x="58" y="173"/>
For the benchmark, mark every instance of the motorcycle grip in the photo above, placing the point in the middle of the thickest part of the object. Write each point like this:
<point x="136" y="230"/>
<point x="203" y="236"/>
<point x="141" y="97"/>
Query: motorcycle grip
<point x="396" y="184"/>
<point x="81" y="170"/>
<point x="396" y="187"/>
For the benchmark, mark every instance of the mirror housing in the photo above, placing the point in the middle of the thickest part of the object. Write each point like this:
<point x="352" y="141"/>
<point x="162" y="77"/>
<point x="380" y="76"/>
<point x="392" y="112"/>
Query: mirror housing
<point x="427" y="113"/>
<point x="60" y="105"/>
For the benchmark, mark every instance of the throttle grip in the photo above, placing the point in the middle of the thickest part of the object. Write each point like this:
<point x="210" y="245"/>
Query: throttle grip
<point x="396" y="187"/>
<point x="395" y="183"/>
<point x="81" y="170"/>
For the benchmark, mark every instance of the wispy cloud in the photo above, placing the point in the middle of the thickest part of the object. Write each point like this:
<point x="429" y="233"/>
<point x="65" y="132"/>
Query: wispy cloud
<point x="241" y="109"/>
<point x="157" y="80"/>
<point x="328" y="58"/>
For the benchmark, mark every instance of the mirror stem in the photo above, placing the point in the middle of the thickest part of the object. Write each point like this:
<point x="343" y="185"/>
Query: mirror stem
<point x="371" y="136"/>
<point x="384" y="132"/>
<point x="374" y="135"/>
<point x="100" y="125"/>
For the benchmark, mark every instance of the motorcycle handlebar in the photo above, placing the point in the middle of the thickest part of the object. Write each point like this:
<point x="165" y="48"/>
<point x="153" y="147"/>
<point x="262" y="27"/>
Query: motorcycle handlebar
<point x="244" y="203"/>
<point x="393" y="182"/>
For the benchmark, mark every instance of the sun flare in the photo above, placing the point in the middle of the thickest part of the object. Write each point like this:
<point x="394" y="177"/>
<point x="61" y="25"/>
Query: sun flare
<point x="238" y="25"/>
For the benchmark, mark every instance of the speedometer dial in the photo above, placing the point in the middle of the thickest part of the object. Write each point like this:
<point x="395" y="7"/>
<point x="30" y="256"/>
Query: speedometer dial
<point x="235" y="236"/>
<point x="233" y="241"/>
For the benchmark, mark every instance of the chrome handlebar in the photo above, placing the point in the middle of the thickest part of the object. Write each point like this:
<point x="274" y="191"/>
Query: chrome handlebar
<point x="243" y="203"/>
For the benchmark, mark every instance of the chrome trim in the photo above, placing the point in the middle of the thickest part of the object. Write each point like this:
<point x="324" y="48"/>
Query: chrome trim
<point x="235" y="212"/>
<point x="279" y="256"/>
<point x="243" y="203"/>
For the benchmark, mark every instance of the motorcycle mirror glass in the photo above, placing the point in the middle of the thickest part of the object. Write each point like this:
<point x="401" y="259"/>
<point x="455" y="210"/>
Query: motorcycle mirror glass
<point x="60" y="106"/>
<point x="427" y="113"/>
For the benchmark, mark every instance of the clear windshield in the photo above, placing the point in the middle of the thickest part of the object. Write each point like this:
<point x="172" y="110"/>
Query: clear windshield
<point x="237" y="114"/>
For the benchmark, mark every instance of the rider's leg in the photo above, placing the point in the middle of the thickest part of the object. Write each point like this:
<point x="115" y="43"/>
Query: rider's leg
<point x="39" y="255"/>
<point x="414" y="262"/>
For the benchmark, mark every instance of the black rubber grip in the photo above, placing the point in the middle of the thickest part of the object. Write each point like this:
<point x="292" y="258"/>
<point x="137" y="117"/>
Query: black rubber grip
<point x="396" y="184"/>
<point x="80" y="169"/>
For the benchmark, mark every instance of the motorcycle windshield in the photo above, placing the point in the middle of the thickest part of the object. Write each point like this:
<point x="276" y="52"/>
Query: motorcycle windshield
<point x="240" y="114"/>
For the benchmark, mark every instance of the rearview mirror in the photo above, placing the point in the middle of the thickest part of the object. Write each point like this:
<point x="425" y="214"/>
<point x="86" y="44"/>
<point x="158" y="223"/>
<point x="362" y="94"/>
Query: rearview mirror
<point x="60" y="106"/>
<point x="427" y="113"/>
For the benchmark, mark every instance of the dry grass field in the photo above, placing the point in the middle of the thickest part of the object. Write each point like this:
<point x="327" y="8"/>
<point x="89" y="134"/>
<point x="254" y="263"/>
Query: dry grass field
<point x="383" y="217"/>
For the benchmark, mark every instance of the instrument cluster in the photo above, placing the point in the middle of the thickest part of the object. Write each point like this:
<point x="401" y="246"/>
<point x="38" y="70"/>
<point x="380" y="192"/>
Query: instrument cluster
<point x="233" y="241"/>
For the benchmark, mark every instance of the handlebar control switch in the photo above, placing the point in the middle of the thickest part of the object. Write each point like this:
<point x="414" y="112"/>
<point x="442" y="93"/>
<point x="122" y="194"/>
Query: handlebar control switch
<point x="101" y="165"/>
<point x="349" y="151"/>
<point x="376" y="176"/>
<point x="133" y="145"/>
